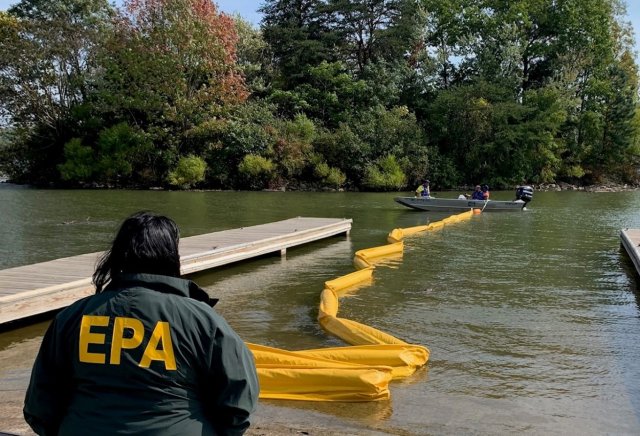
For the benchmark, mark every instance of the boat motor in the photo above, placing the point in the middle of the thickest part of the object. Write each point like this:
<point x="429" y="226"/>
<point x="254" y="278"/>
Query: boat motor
<point x="524" y="193"/>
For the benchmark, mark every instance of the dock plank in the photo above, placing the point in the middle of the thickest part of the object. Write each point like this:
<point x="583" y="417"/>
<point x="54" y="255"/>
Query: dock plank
<point x="33" y="289"/>
<point x="630" y="239"/>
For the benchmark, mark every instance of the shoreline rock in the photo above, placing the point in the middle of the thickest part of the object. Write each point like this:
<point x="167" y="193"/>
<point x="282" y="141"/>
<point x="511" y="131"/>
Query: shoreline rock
<point x="604" y="187"/>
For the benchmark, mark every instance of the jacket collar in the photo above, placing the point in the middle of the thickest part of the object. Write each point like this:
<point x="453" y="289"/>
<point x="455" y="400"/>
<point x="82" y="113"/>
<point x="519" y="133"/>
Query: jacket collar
<point x="164" y="284"/>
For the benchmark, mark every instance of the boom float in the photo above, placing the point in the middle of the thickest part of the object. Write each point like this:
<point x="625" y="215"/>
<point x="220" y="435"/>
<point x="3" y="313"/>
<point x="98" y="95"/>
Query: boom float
<point x="362" y="371"/>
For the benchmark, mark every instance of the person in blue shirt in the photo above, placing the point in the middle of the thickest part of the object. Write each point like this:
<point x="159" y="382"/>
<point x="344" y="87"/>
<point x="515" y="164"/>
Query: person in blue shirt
<point x="478" y="194"/>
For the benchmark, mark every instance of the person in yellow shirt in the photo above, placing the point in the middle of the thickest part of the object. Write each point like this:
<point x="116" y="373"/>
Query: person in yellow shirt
<point x="423" y="189"/>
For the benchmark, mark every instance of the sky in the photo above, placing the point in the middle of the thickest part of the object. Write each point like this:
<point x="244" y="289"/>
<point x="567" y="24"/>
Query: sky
<point x="248" y="9"/>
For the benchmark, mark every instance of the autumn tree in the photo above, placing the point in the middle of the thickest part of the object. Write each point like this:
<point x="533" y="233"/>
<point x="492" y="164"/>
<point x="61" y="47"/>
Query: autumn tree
<point x="168" y="66"/>
<point x="180" y="55"/>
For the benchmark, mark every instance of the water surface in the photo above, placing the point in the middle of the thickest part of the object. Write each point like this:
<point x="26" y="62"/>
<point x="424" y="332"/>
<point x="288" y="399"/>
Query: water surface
<point x="532" y="318"/>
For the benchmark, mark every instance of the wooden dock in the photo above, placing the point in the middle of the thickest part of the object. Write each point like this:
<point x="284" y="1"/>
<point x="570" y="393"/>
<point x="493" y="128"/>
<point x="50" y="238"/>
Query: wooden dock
<point x="42" y="287"/>
<point x="630" y="239"/>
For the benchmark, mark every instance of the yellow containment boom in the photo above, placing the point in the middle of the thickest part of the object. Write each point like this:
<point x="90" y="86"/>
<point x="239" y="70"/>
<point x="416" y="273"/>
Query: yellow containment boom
<point x="361" y="372"/>
<point x="366" y="258"/>
<point x="288" y="375"/>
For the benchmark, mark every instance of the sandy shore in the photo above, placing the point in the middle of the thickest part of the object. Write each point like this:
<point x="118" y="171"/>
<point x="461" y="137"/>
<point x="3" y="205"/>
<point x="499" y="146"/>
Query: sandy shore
<point x="269" y="420"/>
<point x="264" y="423"/>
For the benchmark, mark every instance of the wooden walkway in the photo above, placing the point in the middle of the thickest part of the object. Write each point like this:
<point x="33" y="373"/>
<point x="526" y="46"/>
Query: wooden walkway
<point x="630" y="239"/>
<point x="34" y="289"/>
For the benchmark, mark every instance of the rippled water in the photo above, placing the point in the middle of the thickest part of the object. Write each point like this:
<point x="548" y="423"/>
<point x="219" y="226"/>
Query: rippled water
<point x="532" y="318"/>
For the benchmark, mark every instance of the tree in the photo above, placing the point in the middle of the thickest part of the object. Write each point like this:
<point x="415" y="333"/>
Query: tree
<point x="375" y="29"/>
<point x="47" y="61"/>
<point x="299" y="35"/>
<point x="254" y="57"/>
<point x="178" y="54"/>
<point x="118" y="151"/>
<point x="329" y="93"/>
<point x="189" y="171"/>
<point x="169" y="66"/>
<point x="384" y="175"/>
<point x="366" y="138"/>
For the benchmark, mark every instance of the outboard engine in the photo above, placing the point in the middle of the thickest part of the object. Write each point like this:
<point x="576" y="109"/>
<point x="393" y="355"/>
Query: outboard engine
<point x="524" y="193"/>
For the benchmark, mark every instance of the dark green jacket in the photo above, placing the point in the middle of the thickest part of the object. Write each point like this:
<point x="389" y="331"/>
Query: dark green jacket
<point x="148" y="355"/>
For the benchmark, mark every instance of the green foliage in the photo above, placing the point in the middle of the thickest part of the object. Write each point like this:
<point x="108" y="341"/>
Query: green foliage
<point x="118" y="148"/>
<point x="335" y="178"/>
<point x="189" y="171"/>
<point x="299" y="35"/>
<point x="80" y="164"/>
<point x="293" y="147"/>
<point x="256" y="171"/>
<point x="489" y="137"/>
<point x="391" y="132"/>
<point x="344" y="149"/>
<point x="330" y="91"/>
<point x="253" y="56"/>
<point x="442" y="170"/>
<point x="385" y="175"/>
<point x="329" y="176"/>
<point x="502" y="92"/>
<point x="375" y="30"/>
<point x="371" y="135"/>
<point x="245" y="129"/>
<point x="634" y="148"/>
<point x="47" y="60"/>
<point x="328" y="94"/>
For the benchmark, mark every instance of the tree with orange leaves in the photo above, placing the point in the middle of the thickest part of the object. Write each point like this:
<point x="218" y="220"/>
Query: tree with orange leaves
<point x="169" y="65"/>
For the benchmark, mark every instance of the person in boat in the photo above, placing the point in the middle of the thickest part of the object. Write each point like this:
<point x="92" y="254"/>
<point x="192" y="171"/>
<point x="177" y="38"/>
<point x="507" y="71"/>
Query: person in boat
<point x="477" y="194"/>
<point x="147" y="354"/>
<point x="463" y="197"/>
<point x="485" y="192"/>
<point x="423" y="190"/>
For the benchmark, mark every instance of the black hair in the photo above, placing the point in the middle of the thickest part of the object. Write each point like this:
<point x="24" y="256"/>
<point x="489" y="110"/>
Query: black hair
<point x="145" y="243"/>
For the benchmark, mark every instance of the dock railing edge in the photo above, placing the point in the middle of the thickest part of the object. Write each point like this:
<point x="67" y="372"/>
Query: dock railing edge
<point x="236" y="253"/>
<point x="267" y="240"/>
<point x="629" y="248"/>
<point x="66" y="293"/>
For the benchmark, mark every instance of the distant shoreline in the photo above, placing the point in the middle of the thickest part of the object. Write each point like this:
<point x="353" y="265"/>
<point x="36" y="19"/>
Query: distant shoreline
<point x="544" y="187"/>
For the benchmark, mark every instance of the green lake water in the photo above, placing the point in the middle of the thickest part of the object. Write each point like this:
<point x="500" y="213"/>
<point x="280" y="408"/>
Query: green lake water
<point x="532" y="318"/>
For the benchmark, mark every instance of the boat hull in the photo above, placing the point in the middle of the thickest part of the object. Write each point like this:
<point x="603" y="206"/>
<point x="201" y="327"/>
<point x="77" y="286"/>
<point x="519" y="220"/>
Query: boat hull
<point x="453" y="204"/>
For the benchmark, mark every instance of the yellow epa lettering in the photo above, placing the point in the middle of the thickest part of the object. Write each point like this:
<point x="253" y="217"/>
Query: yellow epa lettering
<point x="161" y="335"/>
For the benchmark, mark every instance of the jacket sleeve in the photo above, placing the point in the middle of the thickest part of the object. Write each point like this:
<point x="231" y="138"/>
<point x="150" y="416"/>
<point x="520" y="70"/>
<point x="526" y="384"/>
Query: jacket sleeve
<point x="48" y="393"/>
<point x="234" y="381"/>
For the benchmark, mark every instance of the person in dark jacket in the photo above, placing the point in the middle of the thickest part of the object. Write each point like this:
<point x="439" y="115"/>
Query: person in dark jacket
<point x="477" y="194"/>
<point x="147" y="354"/>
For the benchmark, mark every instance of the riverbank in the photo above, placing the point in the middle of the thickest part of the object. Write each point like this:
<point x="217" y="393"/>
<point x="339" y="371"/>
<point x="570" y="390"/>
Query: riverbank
<point x="604" y="187"/>
<point x="272" y="418"/>
<point x="543" y="187"/>
<point x="269" y="420"/>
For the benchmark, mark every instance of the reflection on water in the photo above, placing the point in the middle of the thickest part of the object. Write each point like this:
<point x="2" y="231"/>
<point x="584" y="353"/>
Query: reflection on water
<point x="371" y="412"/>
<point x="532" y="318"/>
